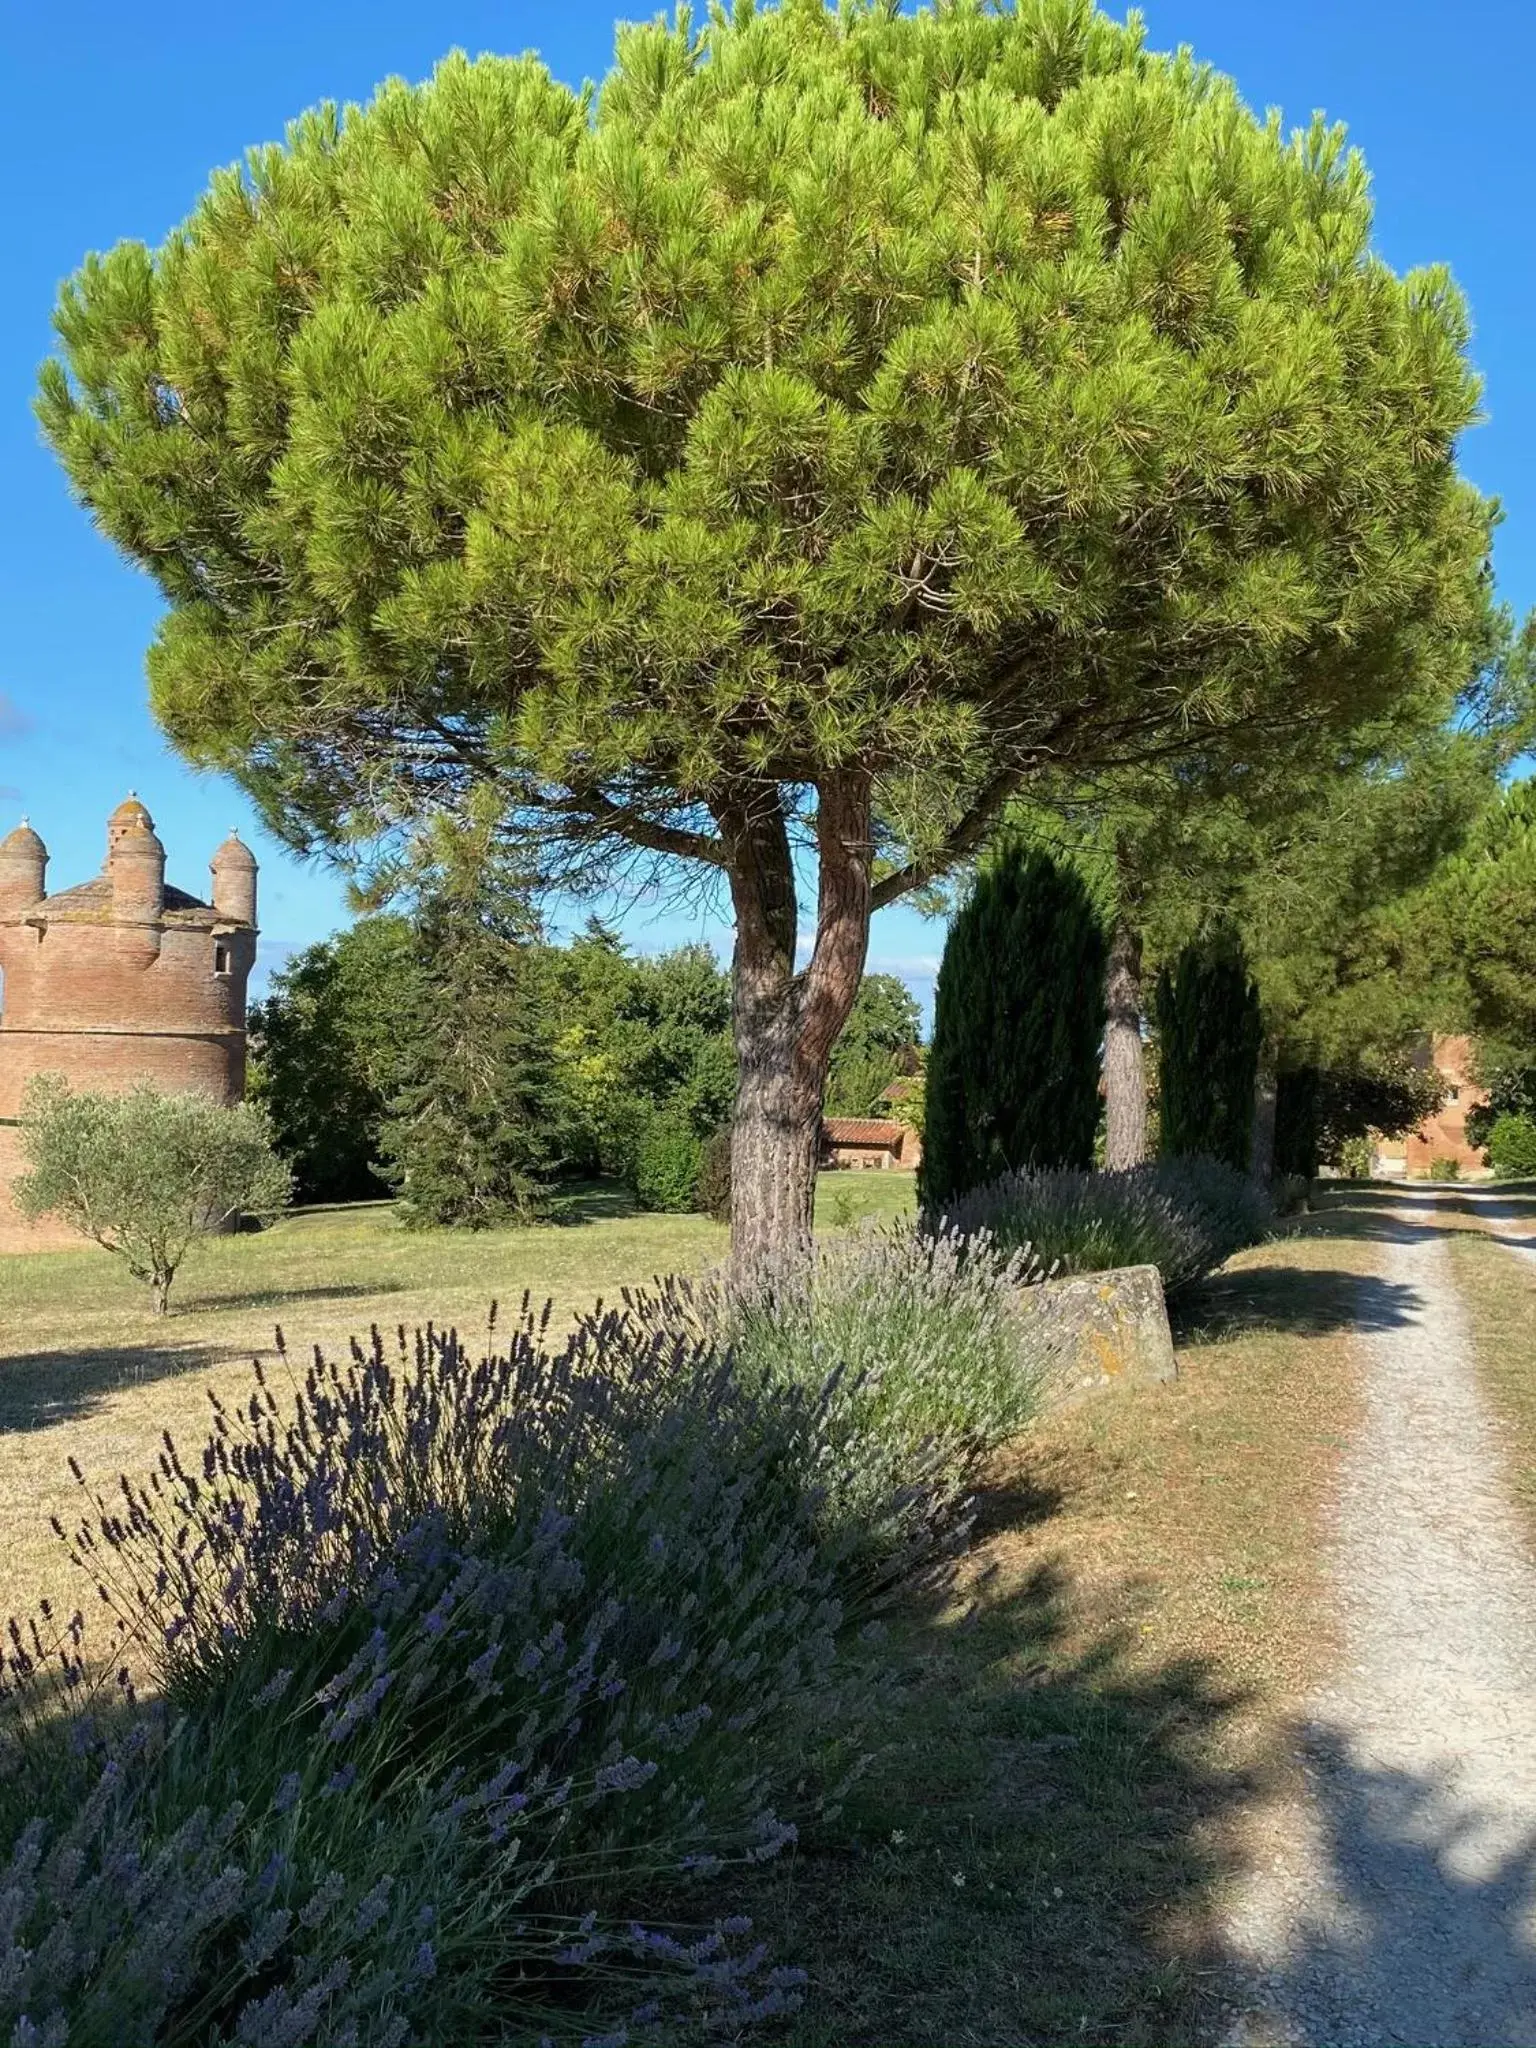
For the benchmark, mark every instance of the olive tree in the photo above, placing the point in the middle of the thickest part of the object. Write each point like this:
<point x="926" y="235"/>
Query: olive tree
<point x="146" y="1175"/>
<point x="770" y="462"/>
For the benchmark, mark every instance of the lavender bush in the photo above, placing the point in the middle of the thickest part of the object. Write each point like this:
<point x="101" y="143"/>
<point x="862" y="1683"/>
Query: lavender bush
<point x="1184" y="1216"/>
<point x="466" y="1676"/>
<point x="458" y="1664"/>
<point x="913" y="1355"/>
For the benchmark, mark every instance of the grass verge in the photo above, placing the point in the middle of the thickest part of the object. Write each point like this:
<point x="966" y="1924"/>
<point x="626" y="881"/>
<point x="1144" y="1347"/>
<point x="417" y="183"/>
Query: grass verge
<point x="1497" y="1285"/>
<point x="1075" y="1742"/>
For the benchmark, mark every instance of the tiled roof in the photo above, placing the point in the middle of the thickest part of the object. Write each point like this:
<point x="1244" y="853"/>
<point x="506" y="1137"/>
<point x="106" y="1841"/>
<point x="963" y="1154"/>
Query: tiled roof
<point x="91" y="902"/>
<point x="863" y="1130"/>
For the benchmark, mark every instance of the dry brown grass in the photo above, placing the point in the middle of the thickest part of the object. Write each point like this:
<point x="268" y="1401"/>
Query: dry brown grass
<point x="1497" y="1283"/>
<point x="1077" y="1739"/>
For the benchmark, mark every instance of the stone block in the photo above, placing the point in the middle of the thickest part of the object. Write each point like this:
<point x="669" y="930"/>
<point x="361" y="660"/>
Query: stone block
<point x="1109" y="1330"/>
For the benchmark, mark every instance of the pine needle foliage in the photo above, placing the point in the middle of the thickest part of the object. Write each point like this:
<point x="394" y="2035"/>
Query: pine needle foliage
<point x="1013" y="1074"/>
<point x="840" y="415"/>
<point x="1209" y="1034"/>
<point x="469" y="1139"/>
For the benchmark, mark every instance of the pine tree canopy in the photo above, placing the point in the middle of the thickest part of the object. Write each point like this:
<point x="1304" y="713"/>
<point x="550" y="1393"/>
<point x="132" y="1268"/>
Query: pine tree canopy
<point x="915" y="397"/>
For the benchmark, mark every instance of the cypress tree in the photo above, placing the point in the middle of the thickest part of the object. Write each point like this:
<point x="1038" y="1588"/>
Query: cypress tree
<point x="1210" y="1033"/>
<point x="469" y="1139"/>
<point x="1018" y="1022"/>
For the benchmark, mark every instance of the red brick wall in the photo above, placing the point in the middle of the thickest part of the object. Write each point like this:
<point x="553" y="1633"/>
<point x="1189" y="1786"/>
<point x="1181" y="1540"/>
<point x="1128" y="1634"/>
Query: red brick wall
<point x="107" y="1005"/>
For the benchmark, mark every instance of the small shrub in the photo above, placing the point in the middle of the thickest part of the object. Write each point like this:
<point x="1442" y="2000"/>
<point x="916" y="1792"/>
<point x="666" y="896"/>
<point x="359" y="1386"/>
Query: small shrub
<point x="1444" y="1169"/>
<point x="1292" y="1194"/>
<point x="714" y="1189"/>
<point x="1357" y="1156"/>
<point x="1512" y="1145"/>
<point x="668" y="1166"/>
<point x="146" y="1175"/>
<point x="1184" y="1216"/>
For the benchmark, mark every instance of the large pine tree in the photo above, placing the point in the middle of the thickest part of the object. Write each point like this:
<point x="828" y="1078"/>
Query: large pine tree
<point x="1018" y="1019"/>
<point x="846" y="414"/>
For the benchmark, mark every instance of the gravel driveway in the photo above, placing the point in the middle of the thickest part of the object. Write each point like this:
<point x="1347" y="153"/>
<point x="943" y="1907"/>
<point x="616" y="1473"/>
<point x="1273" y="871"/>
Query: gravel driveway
<point x="1398" y="1903"/>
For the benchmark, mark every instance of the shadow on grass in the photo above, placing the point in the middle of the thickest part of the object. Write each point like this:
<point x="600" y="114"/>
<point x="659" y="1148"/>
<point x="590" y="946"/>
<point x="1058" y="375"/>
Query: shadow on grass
<point x="1032" y="1855"/>
<point x="1309" y="1304"/>
<point x="41" y="1389"/>
<point x="219" y="1301"/>
<point x="597" y="1201"/>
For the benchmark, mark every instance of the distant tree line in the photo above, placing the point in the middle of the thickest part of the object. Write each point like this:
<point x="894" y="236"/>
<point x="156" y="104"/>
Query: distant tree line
<point x="453" y="1058"/>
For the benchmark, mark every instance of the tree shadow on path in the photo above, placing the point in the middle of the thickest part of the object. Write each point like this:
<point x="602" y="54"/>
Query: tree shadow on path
<point x="1418" y="1924"/>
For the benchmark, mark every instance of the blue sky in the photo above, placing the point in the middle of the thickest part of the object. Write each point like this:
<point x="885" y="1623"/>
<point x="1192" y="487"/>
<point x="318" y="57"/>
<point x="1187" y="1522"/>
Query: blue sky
<point x="115" y="119"/>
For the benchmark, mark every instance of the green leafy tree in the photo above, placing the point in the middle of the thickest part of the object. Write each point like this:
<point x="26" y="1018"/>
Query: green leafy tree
<point x="1509" y="1075"/>
<point x="326" y="1050"/>
<point x="1321" y="1113"/>
<point x="1013" y="1070"/>
<point x="1209" y="1033"/>
<point x="879" y="1044"/>
<point x="635" y="1039"/>
<point x="1309" y="855"/>
<point x="838" y="418"/>
<point x="470" y="1139"/>
<point x="145" y="1175"/>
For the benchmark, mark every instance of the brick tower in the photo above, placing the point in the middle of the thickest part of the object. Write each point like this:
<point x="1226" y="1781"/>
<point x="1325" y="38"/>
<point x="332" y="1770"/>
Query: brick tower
<point x="119" y="980"/>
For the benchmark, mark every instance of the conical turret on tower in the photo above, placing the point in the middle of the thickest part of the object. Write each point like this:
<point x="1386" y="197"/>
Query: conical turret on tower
<point x="23" y="871"/>
<point x="233" y="869"/>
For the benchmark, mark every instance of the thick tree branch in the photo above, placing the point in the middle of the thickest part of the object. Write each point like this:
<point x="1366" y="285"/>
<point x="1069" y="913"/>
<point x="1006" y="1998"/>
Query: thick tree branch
<point x="622" y="821"/>
<point x="964" y="838"/>
<point x="831" y="979"/>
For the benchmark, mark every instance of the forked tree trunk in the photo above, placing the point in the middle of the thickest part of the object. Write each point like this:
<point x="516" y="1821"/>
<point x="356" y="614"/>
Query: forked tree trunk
<point x="1125" y="1072"/>
<point x="1266" y="1096"/>
<point x="786" y="1023"/>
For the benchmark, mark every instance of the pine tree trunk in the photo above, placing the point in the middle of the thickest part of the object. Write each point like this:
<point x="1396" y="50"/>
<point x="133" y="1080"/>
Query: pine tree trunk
<point x="1266" y="1095"/>
<point x="786" y="1023"/>
<point x="1125" y="1074"/>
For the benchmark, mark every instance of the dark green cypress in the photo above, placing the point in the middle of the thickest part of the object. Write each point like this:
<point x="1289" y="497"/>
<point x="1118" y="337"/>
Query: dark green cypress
<point x="1209" y="1036"/>
<point x="1297" y="1122"/>
<point x="470" y="1137"/>
<point x="1013" y="1074"/>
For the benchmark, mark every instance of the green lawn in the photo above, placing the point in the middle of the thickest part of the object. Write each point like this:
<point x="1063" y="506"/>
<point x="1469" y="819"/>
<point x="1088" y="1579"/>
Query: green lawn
<point x="85" y="1370"/>
<point x="1062" y="1755"/>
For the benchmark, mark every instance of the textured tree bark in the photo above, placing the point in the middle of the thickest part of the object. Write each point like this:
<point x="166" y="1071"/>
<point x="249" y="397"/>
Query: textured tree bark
<point x="1125" y="1075"/>
<point x="1266" y="1092"/>
<point x="786" y="1023"/>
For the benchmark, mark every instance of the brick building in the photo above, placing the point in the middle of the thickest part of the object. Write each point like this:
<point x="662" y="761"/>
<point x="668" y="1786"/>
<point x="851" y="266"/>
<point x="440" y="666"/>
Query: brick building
<point x="870" y="1141"/>
<point x="1444" y="1134"/>
<point x="120" y="979"/>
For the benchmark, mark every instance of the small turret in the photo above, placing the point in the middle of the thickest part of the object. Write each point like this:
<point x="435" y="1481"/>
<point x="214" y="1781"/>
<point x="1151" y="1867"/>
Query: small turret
<point x="130" y="816"/>
<point x="135" y="865"/>
<point x="233" y="869"/>
<point x="23" y="868"/>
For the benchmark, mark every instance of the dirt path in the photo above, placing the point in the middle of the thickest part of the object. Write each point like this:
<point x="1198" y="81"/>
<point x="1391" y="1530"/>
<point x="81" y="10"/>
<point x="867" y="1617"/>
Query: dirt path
<point x="1396" y="1900"/>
